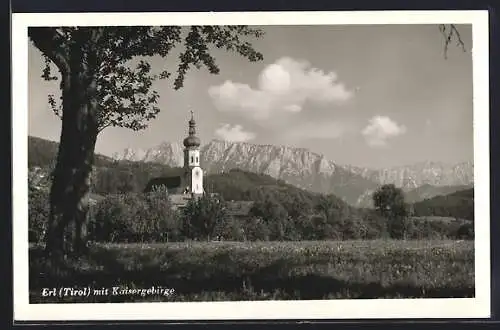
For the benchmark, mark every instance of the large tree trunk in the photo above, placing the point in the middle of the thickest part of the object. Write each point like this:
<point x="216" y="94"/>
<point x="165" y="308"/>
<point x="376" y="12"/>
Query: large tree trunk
<point x="71" y="177"/>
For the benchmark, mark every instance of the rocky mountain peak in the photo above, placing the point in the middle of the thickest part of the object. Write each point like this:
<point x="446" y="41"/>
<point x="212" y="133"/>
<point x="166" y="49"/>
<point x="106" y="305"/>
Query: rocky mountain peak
<point x="309" y="170"/>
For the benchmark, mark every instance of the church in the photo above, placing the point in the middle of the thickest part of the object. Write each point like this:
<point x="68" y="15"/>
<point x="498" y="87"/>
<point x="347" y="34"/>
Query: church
<point x="181" y="189"/>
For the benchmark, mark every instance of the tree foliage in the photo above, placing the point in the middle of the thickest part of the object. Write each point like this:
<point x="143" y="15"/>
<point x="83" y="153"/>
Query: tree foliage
<point x="124" y="77"/>
<point x="106" y="80"/>
<point x="459" y="205"/>
<point x="201" y="216"/>
<point x="136" y="217"/>
<point x="390" y="203"/>
<point x="38" y="214"/>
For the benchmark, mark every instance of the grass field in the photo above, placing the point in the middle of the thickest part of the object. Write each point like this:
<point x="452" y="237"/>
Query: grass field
<point x="208" y="271"/>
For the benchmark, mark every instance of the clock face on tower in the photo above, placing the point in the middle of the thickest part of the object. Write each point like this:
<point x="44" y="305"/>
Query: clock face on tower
<point x="196" y="173"/>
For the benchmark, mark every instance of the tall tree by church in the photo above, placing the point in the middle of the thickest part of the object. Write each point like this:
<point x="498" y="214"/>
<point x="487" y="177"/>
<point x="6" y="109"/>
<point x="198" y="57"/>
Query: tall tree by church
<point x="101" y="88"/>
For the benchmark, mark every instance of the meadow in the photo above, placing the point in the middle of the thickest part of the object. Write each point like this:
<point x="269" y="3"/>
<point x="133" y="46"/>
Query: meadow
<point x="211" y="271"/>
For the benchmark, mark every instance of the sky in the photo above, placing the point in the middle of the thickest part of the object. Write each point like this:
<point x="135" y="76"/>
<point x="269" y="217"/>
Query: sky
<point x="373" y="96"/>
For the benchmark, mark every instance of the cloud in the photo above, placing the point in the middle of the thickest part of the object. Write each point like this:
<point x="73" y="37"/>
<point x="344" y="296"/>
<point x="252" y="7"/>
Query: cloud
<point x="284" y="86"/>
<point x="234" y="133"/>
<point x="293" y="108"/>
<point x="380" y="129"/>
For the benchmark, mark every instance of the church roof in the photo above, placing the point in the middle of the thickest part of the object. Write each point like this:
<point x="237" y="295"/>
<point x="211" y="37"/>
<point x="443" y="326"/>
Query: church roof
<point x="192" y="140"/>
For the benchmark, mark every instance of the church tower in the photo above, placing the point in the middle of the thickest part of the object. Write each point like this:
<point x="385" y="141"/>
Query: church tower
<point x="193" y="173"/>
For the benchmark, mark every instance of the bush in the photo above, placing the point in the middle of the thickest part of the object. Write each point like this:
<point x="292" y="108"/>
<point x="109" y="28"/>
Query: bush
<point x="139" y="217"/>
<point x="255" y="229"/>
<point x="200" y="217"/>
<point x="466" y="231"/>
<point x="423" y="228"/>
<point x="229" y="229"/>
<point x="134" y="217"/>
<point x="376" y="225"/>
<point x="38" y="214"/>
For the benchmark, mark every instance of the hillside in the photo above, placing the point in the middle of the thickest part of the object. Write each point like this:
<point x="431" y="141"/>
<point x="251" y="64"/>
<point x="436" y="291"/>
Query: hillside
<point x="247" y="186"/>
<point x="43" y="153"/>
<point x="459" y="204"/>
<point x="293" y="167"/>
<point x="418" y="194"/>
<point x="113" y="176"/>
<point x="312" y="171"/>
<point x="427" y="191"/>
<point x="109" y="175"/>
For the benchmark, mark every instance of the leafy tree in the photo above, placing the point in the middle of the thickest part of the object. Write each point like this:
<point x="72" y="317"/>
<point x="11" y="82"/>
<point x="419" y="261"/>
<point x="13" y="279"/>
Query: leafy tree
<point x="297" y="206"/>
<point x="322" y="229"/>
<point x="113" y="218"/>
<point x="161" y="220"/>
<point x="255" y="229"/>
<point x="466" y="231"/>
<point x="326" y="206"/>
<point x="229" y="229"/>
<point x="38" y="214"/>
<point x="355" y="228"/>
<point x="390" y="203"/>
<point x="201" y="217"/>
<point x="106" y="81"/>
<point x="134" y="217"/>
<point x="274" y="215"/>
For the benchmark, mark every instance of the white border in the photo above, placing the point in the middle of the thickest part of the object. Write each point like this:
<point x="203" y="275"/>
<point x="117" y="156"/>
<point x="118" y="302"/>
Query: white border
<point x="478" y="307"/>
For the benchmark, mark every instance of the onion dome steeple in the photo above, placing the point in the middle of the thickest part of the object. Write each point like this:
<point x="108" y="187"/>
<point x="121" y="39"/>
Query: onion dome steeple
<point x="192" y="140"/>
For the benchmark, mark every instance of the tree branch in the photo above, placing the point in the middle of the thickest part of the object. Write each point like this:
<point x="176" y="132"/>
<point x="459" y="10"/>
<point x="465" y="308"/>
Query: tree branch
<point x="50" y="42"/>
<point x="449" y="34"/>
<point x="96" y="34"/>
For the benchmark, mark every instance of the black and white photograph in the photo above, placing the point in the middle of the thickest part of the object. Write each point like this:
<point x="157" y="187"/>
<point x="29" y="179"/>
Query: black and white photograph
<point x="251" y="165"/>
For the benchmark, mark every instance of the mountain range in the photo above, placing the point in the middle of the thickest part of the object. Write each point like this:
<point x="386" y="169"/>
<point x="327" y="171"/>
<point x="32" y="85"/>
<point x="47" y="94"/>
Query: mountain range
<point x="313" y="171"/>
